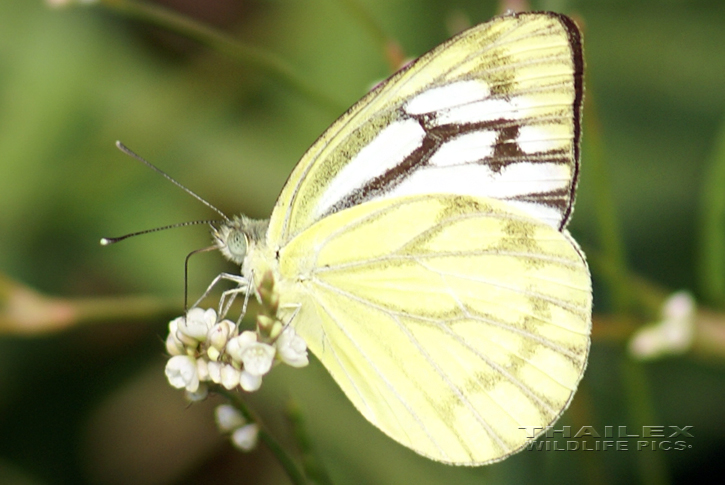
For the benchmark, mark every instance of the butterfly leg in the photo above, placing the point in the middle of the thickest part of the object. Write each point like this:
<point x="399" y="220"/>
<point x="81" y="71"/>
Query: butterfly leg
<point x="295" y="307"/>
<point x="243" y="286"/>
<point x="228" y="297"/>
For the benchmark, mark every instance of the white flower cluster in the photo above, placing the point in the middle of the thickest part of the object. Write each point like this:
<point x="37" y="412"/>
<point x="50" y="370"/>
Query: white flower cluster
<point x="206" y="350"/>
<point x="229" y="420"/>
<point x="671" y="335"/>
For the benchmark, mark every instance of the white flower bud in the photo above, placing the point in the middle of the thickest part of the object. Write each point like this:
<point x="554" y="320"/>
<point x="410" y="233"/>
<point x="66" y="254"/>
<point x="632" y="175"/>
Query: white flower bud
<point x="672" y="335"/>
<point x="197" y="323"/>
<point x="213" y="354"/>
<point x="277" y="328"/>
<point x="265" y="323"/>
<point x="188" y="342"/>
<point x="174" y="324"/>
<point x="230" y="376"/>
<point x="680" y="305"/>
<point x="245" y="438"/>
<point x="250" y="382"/>
<point x="199" y="395"/>
<point x="220" y="333"/>
<point x="291" y="348"/>
<point x="215" y="371"/>
<point x="174" y="346"/>
<point x="228" y="418"/>
<point x="237" y="345"/>
<point x="202" y="369"/>
<point x="258" y="358"/>
<point x="181" y="372"/>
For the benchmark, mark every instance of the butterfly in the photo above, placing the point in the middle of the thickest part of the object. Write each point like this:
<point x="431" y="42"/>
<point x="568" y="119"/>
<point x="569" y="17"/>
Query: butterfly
<point x="420" y="248"/>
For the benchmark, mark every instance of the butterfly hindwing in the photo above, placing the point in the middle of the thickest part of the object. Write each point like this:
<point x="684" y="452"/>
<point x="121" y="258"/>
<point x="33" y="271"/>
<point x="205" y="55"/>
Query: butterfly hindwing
<point x="493" y="112"/>
<point x="455" y="346"/>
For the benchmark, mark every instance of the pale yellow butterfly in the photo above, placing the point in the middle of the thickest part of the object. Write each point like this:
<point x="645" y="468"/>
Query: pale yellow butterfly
<point x="419" y="247"/>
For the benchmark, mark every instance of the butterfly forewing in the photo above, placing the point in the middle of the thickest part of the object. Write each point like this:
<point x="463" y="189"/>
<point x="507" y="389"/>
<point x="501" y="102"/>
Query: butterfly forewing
<point x="494" y="112"/>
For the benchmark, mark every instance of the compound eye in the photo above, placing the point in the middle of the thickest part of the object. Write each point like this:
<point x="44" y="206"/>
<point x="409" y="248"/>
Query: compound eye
<point x="237" y="244"/>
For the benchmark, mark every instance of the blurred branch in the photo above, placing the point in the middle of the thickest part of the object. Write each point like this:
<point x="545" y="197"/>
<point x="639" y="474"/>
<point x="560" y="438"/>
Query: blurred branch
<point x="394" y="54"/>
<point x="214" y="39"/>
<point x="711" y="269"/>
<point x="642" y="294"/>
<point x="24" y="311"/>
<point x="709" y="335"/>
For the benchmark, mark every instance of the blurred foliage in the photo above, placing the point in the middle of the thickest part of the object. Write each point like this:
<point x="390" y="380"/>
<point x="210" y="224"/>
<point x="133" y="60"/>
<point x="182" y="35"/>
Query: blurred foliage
<point x="90" y="404"/>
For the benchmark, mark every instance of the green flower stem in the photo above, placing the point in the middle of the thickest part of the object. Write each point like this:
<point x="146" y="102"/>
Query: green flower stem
<point x="292" y="470"/>
<point x="217" y="40"/>
<point x="610" y="236"/>
<point x="582" y="413"/>
<point x="285" y="460"/>
<point x="651" y="463"/>
<point x="310" y="461"/>
<point x="711" y="270"/>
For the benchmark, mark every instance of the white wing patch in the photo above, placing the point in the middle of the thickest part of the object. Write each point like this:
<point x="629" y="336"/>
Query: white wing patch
<point x="469" y="147"/>
<point x="544" y="213"/>
<point x="389" y="148"/>
<point x="448" y="96"/>
<point x="486" y="110"/>
<point x="474" y="179"/>
<point x="449" y="140"/>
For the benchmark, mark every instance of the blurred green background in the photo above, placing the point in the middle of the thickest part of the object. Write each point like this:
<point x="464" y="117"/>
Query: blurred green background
<point x="90" y="404"/>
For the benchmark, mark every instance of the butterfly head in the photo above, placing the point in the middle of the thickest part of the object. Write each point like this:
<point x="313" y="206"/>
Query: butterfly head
<point x="234" y="237"/>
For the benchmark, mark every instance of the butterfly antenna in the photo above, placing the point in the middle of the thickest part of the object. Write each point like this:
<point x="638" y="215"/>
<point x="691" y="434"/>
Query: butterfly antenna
<point x="107" y="241"/>
<point x="168" y="177"/>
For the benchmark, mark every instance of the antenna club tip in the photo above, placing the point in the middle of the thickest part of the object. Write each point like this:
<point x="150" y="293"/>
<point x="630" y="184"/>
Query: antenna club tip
<point x="105" y="241"/>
